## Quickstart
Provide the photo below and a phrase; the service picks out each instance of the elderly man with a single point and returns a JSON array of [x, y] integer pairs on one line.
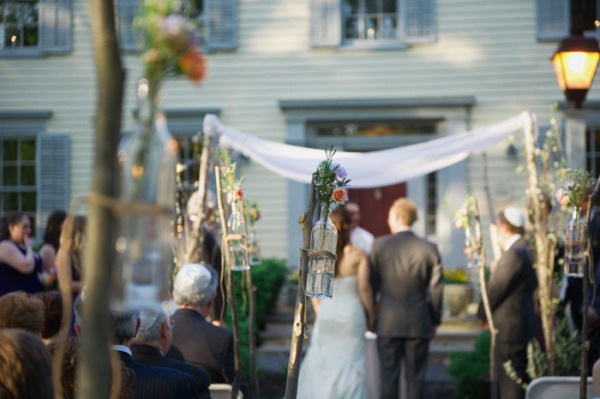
[[358, 236], [195, 340], [154, 340], [150, 382], [510, 293]]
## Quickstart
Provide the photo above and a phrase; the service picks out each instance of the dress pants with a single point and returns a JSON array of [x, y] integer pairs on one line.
[[516, 352], [413, 352]]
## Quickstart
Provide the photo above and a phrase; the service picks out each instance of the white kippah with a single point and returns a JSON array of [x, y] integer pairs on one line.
[[514, 217], [192, 279]]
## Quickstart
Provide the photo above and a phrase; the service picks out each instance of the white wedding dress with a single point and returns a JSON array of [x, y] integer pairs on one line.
[[334, 365]]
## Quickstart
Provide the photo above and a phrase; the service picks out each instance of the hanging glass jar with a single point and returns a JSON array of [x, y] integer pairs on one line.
[[237, 245], [471, 249], [253, 247], [148, 161], [321, 268], [576, 243]]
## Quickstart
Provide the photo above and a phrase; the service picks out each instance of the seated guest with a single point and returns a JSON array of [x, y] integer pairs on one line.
[[149, 382], [52, 301], [154, 339], [25, 366], [20, 310], [195, 340]]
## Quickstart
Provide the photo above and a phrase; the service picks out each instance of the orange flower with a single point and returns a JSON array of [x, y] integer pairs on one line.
[[340, 195], [191, 64], [239, 194]]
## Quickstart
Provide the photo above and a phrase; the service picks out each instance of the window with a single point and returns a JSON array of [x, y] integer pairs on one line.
[[33, 167], [372, 23], [554, 19], [34, 27], [432, 205], [17, 177], [215, 20], [592, 147]]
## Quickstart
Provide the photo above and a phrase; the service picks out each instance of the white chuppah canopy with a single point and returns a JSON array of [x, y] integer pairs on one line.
[[368, 169]]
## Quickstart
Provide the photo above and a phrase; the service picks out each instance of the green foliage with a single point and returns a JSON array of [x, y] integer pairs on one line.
[[468, 368], [455, 276], [267, 278]]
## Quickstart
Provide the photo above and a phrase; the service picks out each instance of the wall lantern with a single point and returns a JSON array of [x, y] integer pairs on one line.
[[575, 63]]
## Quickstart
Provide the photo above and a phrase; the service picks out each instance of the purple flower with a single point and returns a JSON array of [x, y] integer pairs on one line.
[[340, 173]]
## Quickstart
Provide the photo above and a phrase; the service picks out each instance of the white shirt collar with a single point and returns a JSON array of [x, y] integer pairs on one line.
[[511, 241], [122, 348]]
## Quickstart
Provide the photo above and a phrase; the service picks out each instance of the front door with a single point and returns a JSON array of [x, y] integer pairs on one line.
[[374, 205]]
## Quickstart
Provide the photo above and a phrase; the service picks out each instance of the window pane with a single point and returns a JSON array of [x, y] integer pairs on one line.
[[29, 202], [10, 202], [20, 22], [28, 176], [9, 176], [371, 6], [389, 6], [9, 150], [28, 150]]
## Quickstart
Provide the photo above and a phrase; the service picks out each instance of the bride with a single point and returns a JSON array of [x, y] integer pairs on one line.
[[334, 365]]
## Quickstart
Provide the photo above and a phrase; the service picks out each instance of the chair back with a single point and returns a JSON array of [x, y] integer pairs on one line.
[[223, 391], [557, 388]]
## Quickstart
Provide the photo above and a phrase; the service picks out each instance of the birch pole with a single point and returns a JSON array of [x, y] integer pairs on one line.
[[544, 258], [299, 326], [226, 268], [93, 380]]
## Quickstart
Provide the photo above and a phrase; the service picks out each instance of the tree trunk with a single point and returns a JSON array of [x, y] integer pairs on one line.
[[544, 261], [94, 372], [226, 268], [299, 326]]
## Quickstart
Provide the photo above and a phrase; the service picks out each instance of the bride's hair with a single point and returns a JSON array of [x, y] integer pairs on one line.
[[342, 219]]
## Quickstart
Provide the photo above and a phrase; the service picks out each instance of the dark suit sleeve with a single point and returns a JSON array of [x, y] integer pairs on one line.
[[229, 372], [374, 270], [503, 279], [436, 289]]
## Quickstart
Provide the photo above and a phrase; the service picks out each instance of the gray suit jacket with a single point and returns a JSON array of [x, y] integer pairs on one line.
[[407, 274]]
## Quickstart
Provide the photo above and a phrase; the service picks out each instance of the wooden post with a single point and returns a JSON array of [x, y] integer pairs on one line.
[[226, 268], [299, 326], [94, 372]]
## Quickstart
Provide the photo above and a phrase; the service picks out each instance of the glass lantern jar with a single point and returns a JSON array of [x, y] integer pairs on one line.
[[253, 248], [237, 247], [576, 242], [321, 268], [148, 161]]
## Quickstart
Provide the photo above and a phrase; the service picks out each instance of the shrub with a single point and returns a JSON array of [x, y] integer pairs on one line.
[[470, 367]]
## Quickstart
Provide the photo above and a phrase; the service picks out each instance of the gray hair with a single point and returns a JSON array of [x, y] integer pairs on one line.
[[195, 285], [123, 323], [151, 322]]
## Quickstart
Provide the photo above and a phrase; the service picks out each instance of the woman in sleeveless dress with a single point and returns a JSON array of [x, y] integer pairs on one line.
[[19, 264], [334, 365]]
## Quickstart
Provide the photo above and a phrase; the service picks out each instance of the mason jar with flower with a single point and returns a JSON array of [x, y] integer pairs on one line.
[[575, 197], [329, 181]]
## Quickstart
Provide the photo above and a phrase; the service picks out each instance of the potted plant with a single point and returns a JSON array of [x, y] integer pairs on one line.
[[458, 291]]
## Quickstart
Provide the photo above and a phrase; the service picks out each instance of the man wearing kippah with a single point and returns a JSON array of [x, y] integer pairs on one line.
[[510, 292], [196, 340]]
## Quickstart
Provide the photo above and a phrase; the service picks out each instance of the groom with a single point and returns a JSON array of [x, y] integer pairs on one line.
[[406, 274]]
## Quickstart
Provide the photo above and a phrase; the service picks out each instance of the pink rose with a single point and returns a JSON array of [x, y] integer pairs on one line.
[[564, 200], [340, 195]]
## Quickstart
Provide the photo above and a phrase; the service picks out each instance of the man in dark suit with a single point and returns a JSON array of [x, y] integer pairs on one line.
[[510, 293], [154, 339], [195, 340], [146, 382], [407, 281]]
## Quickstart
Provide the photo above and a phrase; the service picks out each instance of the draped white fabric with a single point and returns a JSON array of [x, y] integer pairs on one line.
[[367, 169]]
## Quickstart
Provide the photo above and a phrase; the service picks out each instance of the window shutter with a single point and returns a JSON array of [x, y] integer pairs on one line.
[[552, 19], [418, 21], [55, 26], [221, 32], [325, 23], [52, 174], [127, 10]]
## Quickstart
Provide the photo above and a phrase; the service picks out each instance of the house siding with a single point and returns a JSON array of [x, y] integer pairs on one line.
[[484, 49]]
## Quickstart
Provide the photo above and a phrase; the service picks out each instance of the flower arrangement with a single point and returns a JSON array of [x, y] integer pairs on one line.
[[579, 184], [463, 217], [330, 181], [231, 186], [455, 276], [170, 42], [252, 211], [466, 218]]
